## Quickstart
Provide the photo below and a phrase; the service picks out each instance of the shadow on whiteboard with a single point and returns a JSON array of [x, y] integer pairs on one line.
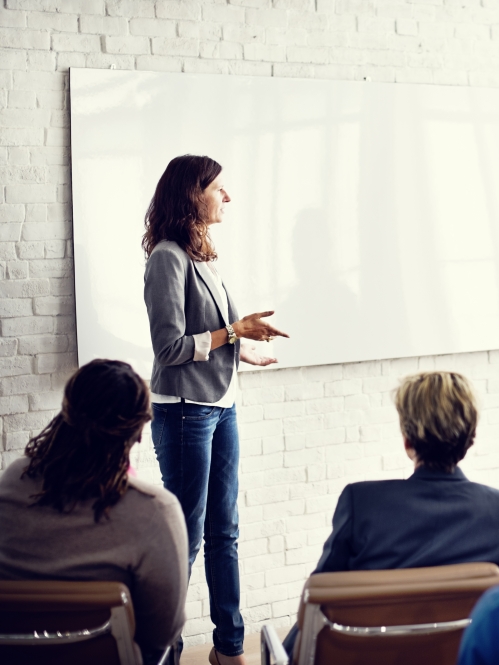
[[322, 309]]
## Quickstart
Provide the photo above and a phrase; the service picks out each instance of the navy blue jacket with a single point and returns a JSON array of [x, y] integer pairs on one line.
[[431, 519]]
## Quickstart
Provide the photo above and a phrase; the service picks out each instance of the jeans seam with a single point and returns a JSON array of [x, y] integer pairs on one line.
[[164, 413], [213, 585], [182, 448], [213, 576]]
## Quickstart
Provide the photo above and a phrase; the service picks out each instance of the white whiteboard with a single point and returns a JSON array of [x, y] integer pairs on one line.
[[365, 214]]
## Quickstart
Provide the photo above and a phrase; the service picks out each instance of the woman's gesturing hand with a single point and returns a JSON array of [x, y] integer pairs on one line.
[[252, 327], [249, 355]]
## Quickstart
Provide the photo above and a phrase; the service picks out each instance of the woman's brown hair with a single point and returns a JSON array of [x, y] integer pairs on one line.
[[84, 452], [177, 210]]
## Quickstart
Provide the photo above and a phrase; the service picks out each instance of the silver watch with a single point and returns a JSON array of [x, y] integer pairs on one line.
[[232, 335]]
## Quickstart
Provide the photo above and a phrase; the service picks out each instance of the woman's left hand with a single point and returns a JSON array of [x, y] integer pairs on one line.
[[249, 355]]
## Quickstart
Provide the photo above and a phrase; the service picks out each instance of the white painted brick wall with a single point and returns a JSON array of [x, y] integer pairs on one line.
[[304, 432]]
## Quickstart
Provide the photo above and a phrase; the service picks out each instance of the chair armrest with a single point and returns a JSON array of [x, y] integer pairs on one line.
[[272, 651]]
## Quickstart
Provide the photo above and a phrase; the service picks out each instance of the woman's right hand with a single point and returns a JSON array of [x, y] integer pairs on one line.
[[252, 327]]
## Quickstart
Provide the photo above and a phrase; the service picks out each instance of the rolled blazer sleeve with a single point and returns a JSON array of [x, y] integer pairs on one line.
[[164, 295], [337, 548]]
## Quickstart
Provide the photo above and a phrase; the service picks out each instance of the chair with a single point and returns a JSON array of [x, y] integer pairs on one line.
[[47, 622], [389, 617]]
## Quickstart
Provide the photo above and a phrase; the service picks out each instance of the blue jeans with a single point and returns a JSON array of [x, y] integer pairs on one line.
[[198, 453]]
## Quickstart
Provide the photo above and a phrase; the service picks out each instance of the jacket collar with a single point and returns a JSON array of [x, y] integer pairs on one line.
[[207, 277], [422, 473]]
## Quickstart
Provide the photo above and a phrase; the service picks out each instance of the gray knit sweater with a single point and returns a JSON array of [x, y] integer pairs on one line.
[[143, 544]]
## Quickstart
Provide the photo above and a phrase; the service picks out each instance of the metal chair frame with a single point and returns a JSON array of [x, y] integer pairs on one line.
[[271, 650], [314, 621], [117, 625]]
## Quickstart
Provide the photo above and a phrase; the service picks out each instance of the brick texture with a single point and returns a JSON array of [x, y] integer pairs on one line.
[[305, 432]]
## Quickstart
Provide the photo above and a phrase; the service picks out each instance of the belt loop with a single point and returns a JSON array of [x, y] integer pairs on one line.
[[182, 400]]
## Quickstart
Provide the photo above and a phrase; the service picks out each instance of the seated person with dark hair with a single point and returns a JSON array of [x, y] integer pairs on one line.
[[69, 511], [434, 518]]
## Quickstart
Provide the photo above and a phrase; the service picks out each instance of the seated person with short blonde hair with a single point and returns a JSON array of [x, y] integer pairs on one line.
[[437, 516]]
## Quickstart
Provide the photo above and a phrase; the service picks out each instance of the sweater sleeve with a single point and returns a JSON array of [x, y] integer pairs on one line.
[[164, 295], [161, 578]]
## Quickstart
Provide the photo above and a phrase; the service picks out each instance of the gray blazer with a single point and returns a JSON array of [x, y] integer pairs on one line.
[[182, 300]]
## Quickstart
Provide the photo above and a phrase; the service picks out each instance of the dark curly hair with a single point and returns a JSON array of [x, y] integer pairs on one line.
[[84, 452], [177, 210]]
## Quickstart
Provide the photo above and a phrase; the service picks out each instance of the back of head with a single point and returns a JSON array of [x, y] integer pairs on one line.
[[438, 417], [84, 451], [177, 210]]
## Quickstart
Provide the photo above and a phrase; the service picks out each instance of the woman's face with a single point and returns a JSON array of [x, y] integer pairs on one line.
[[215, 198]]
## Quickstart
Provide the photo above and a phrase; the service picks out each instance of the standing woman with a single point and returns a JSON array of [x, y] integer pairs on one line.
[[195, 335]]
